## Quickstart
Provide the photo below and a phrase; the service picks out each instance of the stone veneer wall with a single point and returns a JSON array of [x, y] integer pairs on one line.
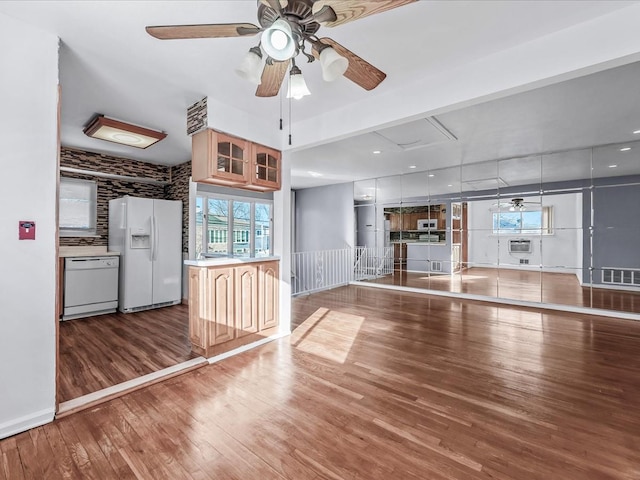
[[178, 189], [109, 189]]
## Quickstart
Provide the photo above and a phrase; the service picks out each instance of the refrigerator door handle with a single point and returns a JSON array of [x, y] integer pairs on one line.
[[155, 238], [152, 220]]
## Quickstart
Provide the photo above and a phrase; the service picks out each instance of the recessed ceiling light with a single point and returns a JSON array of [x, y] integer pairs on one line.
[[613, 166], [412, 166], [431, 175], [625, 149], [314, 174], [450, 185], [111, 130], [376, 152], [636, 131]]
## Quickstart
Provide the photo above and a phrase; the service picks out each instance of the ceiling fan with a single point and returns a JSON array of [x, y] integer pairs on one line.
[[288, 28], [516, 204]]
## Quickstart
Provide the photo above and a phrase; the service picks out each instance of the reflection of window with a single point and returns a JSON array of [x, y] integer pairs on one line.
[[78, 207], [232, 225], [534, 222]]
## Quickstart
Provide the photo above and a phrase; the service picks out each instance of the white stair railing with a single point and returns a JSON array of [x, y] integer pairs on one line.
[[373, 262], [320, 270]]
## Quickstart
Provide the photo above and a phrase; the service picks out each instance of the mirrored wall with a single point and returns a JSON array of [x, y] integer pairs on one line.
[[560, 228]]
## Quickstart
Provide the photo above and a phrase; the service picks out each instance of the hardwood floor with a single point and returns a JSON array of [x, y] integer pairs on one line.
[[374, 385], [556, 288], [98, 352]]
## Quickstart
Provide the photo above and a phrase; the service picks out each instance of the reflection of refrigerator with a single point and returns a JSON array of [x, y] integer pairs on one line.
[[148, 235]]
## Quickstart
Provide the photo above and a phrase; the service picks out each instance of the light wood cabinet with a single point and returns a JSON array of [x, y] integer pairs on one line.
[[220, 281], [231, 306], [222, 159], [246, 285], [265, 168], [268, 295]]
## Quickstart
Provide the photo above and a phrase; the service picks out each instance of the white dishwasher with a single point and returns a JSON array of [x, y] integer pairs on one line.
[[90, 286]]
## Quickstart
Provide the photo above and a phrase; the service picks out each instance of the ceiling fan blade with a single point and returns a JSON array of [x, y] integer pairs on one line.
[[277, 5], [272, 77], [350, 10], [359, 71], [219, 30]]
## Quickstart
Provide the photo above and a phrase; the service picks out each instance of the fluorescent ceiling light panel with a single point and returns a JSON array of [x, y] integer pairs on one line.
[[104, 128]]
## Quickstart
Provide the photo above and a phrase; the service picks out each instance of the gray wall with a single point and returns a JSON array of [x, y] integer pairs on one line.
[[616, 227], [324, 218]]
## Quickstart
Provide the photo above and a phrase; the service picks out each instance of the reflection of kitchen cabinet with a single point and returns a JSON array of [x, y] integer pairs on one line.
[[395, 222], [399, 255], [231, 306], [220, 159]]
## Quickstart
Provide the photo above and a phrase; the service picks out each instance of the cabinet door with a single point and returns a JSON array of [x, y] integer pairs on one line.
[[265, 168], [219, 159], [246, 290], [198, 305], [268, 295], [395, 222], [232, 159], [221, 324]]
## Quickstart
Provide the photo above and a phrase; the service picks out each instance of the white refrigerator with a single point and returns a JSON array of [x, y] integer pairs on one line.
[[148, 235]]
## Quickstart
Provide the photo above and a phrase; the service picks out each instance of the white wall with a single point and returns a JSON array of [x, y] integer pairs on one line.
[[560, 252], [29, 59], [325, 218]]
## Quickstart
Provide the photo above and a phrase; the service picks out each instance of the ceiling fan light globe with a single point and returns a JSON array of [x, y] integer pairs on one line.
[[277, 41], [251, 68], [333, 64], [297, 87]]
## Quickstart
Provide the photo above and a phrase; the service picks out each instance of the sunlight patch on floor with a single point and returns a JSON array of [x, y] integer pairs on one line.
[[328, 334]]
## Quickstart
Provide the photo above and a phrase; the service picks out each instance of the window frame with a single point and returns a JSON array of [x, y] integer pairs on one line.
[[230, 237], [91, 230]]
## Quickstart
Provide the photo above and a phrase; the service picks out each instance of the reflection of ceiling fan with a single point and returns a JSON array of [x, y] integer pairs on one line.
[[516, 204], [287, 28]]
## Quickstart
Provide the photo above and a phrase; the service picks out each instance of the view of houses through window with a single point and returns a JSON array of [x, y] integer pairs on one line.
[[233, 226], [537, 221]]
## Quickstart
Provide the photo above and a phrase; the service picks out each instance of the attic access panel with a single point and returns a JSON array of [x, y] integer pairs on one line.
[[416, 134]]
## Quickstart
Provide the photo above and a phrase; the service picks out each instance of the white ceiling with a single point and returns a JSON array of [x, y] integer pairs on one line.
[[110, 65]]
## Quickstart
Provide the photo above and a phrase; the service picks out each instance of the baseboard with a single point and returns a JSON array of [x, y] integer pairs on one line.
[[26, 422], [185, 301]]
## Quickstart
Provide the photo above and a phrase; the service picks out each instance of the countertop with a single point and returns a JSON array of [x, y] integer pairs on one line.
[[212, 262], [85, 251]]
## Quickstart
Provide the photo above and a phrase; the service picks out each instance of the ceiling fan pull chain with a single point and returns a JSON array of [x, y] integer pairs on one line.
[[280, 108], [289, 120]]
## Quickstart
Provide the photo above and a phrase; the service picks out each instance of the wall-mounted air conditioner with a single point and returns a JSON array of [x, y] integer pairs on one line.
[[520, 246]]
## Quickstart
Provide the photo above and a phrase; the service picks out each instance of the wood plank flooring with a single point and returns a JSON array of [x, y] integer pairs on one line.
[[99, 352], [546, 287], [374, 385]]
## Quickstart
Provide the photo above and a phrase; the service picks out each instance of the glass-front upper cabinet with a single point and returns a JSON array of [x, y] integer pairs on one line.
[[265, 168], [220, 159]]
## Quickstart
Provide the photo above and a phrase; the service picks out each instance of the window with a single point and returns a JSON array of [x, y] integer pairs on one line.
[[232, 226], [534, 222], [78, 207]]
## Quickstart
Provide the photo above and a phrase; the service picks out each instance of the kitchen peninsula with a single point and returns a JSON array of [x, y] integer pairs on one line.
[[233, 302]]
